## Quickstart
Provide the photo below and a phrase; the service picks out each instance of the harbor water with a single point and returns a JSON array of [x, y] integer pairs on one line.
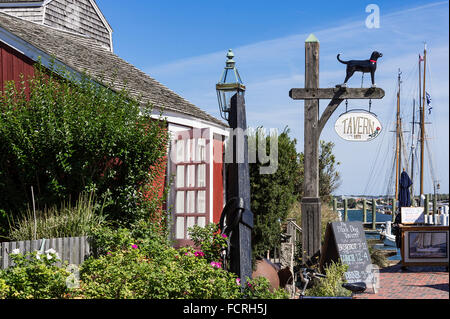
[[357, 215]]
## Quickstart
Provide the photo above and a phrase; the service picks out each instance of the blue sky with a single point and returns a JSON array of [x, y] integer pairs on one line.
[[183, 45]]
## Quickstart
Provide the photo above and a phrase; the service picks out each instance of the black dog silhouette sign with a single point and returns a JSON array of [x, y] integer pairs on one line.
[[364, 66]]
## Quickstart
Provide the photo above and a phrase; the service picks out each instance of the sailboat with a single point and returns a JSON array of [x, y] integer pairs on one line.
[[386, 235], [386, 232], [409, 166]]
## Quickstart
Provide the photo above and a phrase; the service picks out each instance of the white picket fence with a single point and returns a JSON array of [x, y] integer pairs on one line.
[[74, 250]]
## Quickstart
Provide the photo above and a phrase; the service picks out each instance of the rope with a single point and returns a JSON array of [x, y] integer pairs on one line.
[[430, 159]]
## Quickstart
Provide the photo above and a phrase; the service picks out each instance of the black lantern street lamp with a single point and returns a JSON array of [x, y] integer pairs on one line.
[[237, 212], [230, 83]]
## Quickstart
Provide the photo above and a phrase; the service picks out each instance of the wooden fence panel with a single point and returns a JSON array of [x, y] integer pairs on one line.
[[74, 250]]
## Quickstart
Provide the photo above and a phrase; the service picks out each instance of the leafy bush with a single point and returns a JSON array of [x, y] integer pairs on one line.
[[273, 195], [332, 285], [133, 274], [259, 288], [60, 222], [65, 136], [210, 241], [145, 234], [34, 276], [4, 289], [140, 263]]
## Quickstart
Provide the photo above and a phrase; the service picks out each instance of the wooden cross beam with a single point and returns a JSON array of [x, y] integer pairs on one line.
[[339, 92], [337, 96], [313, 126]]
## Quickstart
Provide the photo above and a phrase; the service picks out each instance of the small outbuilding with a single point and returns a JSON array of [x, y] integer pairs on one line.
[[76, 36]]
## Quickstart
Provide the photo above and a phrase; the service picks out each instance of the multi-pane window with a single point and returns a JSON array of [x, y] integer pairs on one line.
[[191, 184]]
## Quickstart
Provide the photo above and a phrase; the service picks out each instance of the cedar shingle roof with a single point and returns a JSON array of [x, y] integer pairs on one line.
[[84, 55]]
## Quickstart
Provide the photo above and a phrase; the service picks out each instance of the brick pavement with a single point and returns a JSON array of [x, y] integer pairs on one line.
[[412, 283]]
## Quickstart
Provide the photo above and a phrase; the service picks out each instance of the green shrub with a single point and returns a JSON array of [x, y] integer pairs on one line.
[[59, 222], [259, 288], [158, 271], [65, 136], [332, 285], [140, 263], [209, 240], [272, 195], [4, 289], [34, 276]]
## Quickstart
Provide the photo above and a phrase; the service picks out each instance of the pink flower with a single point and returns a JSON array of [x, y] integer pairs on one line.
[[199, 254], [216, 264], [238, 281], [134, 246], [249, 285], [224, 236]]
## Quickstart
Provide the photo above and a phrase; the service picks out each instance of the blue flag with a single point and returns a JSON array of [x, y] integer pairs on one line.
[[429, 103]]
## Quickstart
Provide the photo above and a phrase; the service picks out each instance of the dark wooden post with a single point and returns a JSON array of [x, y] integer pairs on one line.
[[374, 214], [364, 211], [394, 209], [311, 205], [435, 207], [345, 210], [238, 182]]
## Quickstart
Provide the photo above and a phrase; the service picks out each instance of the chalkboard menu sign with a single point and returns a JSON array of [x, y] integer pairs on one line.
[[346, 241]]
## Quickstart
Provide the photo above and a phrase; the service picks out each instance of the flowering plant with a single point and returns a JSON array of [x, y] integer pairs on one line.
[[34, 276], [211, 242]]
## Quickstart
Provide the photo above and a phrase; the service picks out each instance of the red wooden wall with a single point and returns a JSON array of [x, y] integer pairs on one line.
[[16, 67], [12, 65], [218, 149]]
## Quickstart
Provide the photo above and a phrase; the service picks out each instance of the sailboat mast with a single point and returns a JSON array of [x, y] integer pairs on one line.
[[422, 121], [397, 130], [413, 147]]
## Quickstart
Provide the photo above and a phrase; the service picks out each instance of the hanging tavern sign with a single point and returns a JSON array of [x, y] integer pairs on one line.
[[360, 126]]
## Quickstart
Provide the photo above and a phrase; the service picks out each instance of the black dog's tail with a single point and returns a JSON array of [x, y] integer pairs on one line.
[[339, 59]]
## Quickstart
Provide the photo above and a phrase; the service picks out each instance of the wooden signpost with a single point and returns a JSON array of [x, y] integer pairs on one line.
[[313, 126]]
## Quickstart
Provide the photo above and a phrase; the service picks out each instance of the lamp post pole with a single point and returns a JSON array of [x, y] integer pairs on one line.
[[230, 92], [238, 186]]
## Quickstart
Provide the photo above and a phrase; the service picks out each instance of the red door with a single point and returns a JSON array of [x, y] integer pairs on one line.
[[190, 157]]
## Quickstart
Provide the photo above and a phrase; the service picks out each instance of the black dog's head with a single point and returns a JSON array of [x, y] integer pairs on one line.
[[375, 55]]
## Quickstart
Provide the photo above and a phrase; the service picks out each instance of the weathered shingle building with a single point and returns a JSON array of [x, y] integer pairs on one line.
[[80, 16], [80, 42]]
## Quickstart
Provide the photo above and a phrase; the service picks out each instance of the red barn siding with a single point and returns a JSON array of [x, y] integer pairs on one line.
[[14, 66], [218, 148]]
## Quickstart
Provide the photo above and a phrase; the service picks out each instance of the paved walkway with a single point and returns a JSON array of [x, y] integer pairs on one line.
[[412, 283]]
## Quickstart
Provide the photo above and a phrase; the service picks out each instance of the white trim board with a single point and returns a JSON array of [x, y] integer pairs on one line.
[[189, 121]]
